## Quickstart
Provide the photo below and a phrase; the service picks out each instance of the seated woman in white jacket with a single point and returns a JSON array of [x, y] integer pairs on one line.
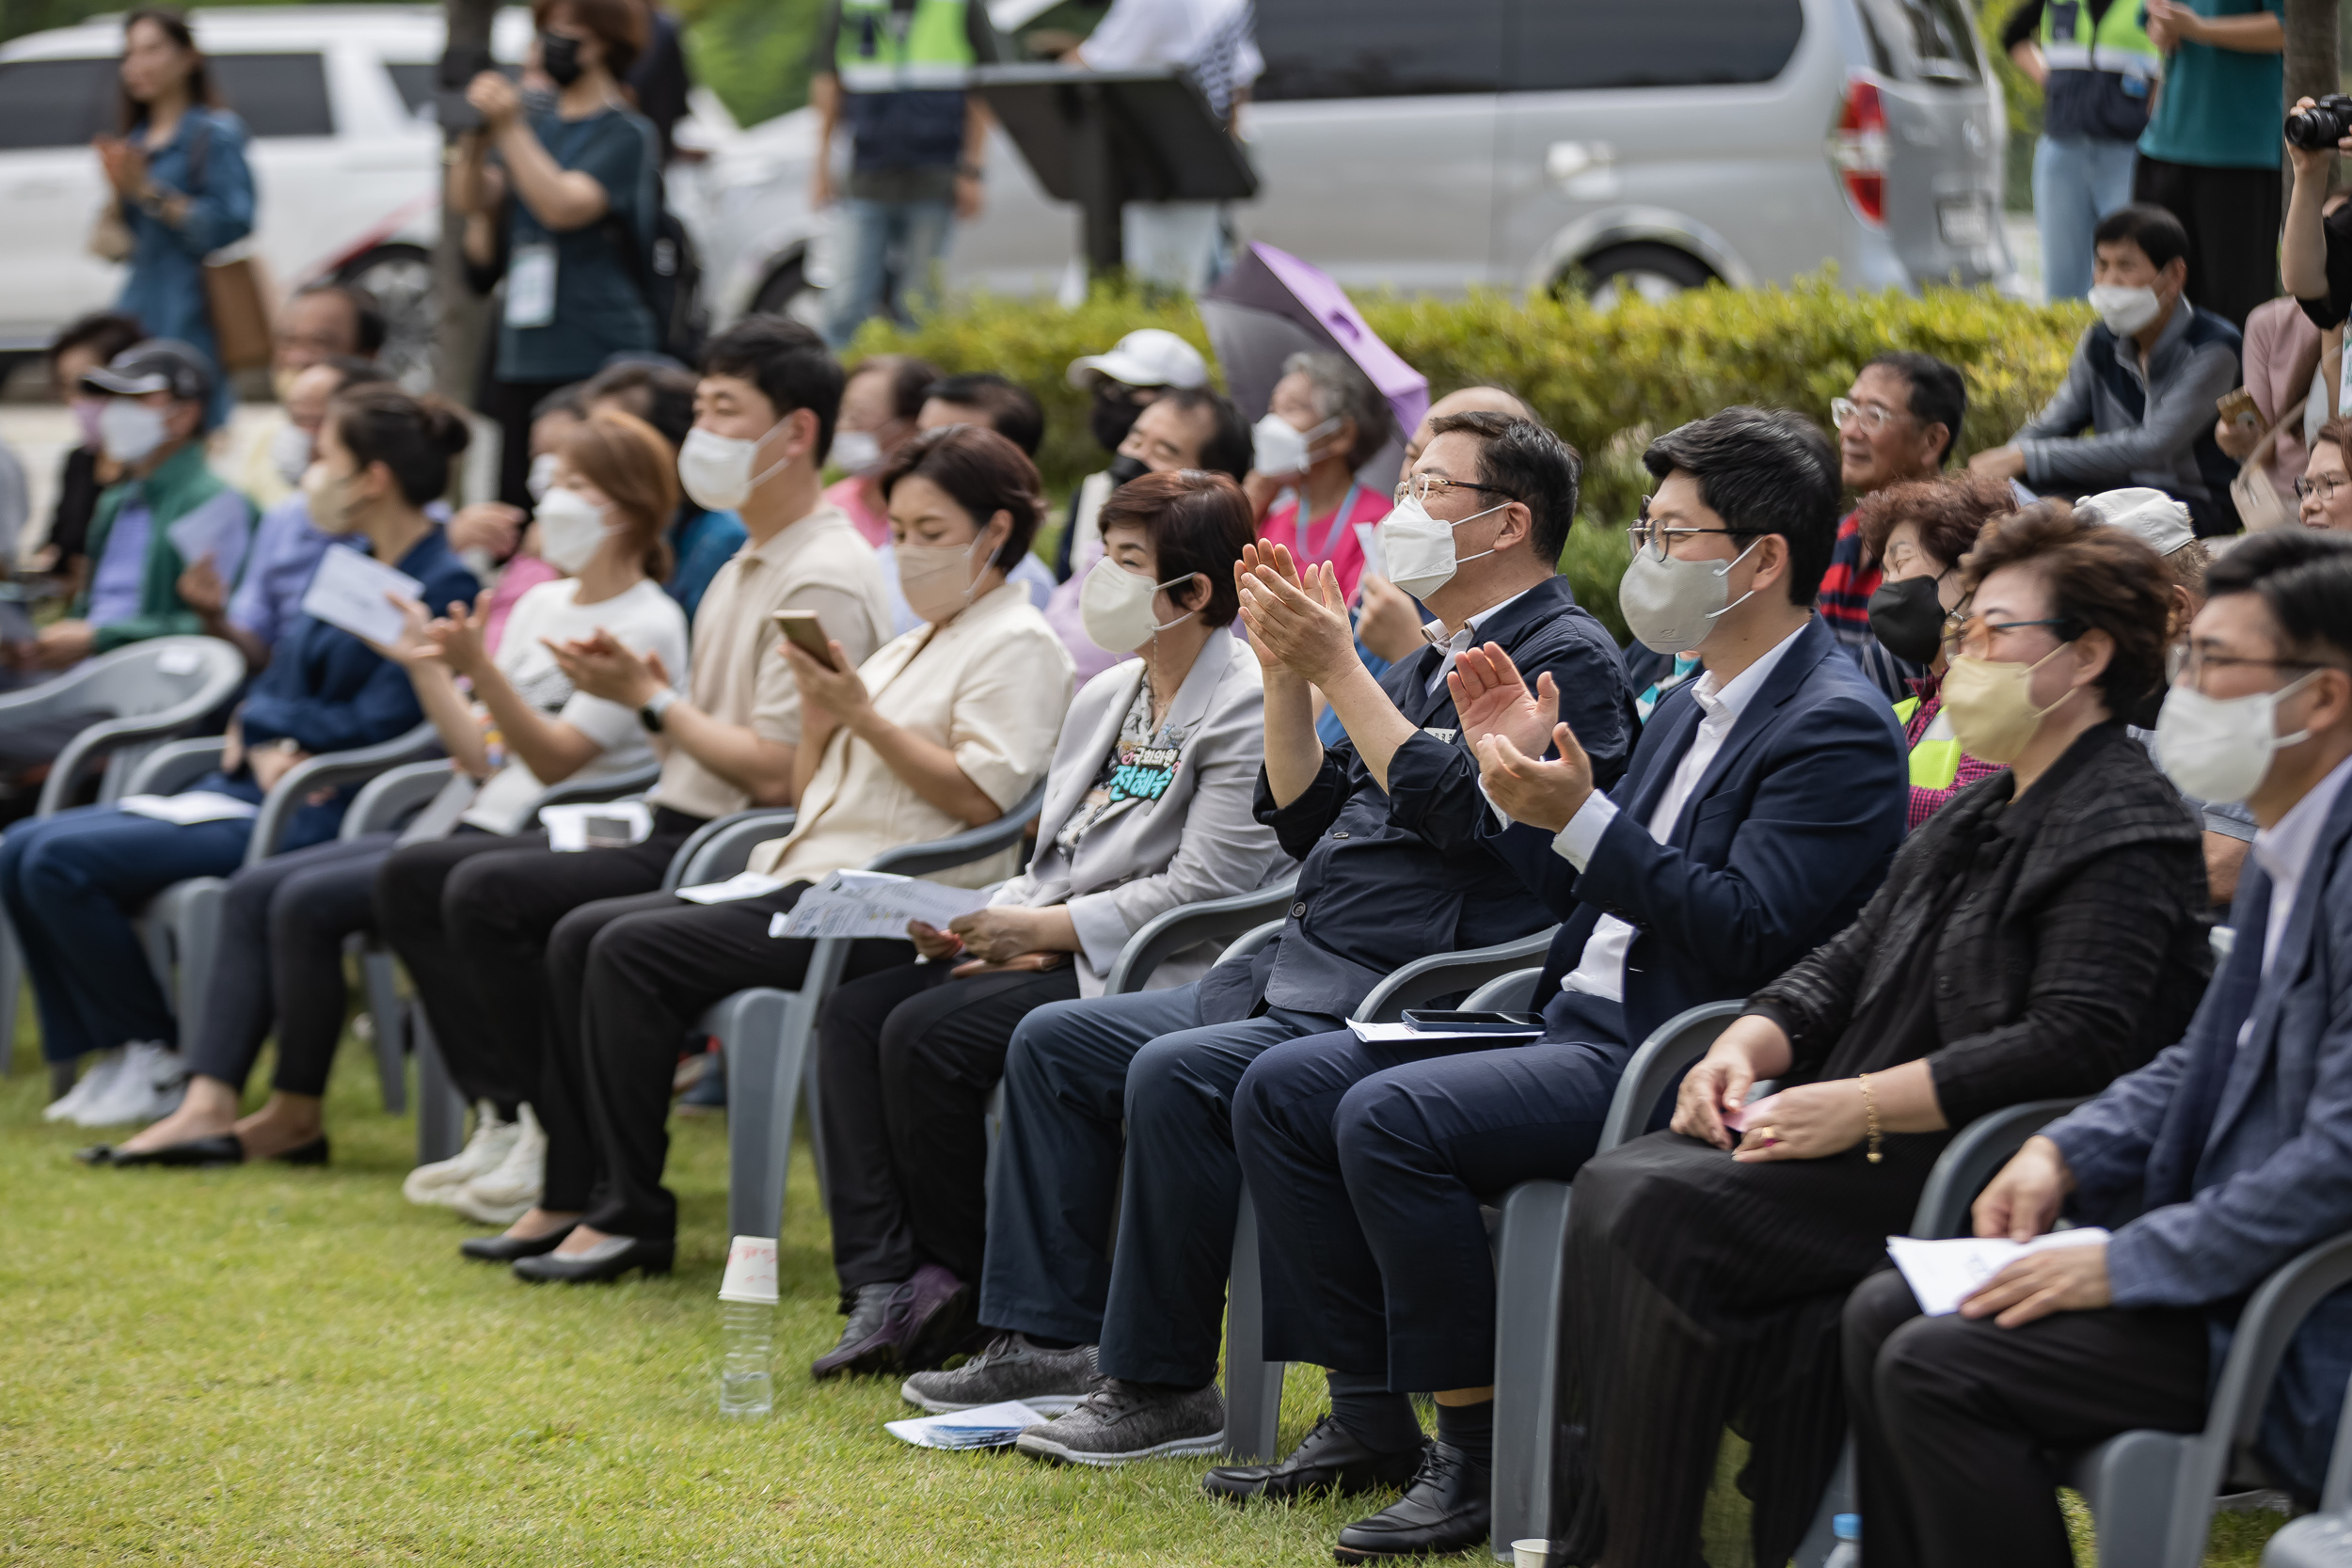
[[1148, 806]]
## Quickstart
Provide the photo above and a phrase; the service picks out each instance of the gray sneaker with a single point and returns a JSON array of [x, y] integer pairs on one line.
[[1122, 1421], [1050, 1381]]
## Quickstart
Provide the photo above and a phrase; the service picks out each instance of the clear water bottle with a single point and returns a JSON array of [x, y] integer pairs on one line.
[[747, 1384], [1848, 1552]]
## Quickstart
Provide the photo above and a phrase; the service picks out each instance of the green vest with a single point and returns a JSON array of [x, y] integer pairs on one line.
[[2118, 44], [934, 51], [1935, 760]]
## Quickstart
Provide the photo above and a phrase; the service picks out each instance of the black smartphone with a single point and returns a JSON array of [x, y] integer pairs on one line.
[[804, 631], [1473, 1023], [609, 832]]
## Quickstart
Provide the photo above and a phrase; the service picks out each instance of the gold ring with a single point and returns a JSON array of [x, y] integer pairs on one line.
[[1771, 1136]]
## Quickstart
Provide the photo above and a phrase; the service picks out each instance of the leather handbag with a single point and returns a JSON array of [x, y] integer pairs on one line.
[[109, 235], [2259, 506], [236, 295]]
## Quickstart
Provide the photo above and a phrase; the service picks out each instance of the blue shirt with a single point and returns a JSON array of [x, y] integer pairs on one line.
[[114, 585], [164, 287], [700, 542], [286, 551]]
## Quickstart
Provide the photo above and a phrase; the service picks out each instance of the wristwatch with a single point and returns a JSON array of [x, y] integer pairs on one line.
[[657, 705]]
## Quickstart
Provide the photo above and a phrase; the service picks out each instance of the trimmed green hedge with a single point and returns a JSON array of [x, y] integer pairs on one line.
[[1604, 380]]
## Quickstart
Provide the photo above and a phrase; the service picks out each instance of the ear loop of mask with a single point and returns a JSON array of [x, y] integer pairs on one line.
[[1460, 559], [1160, 587], [767, 474], [1725, 572]]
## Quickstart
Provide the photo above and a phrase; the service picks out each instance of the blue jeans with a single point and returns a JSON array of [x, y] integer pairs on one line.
[[2076, 182], [73, 883], [1074, 1070], [894, 249]]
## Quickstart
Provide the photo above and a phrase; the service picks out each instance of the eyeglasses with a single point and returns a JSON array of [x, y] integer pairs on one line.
[[1647, 533], [1874, 415], [2189, 660], [1971, 635], [2325, 487], [1425, 489]]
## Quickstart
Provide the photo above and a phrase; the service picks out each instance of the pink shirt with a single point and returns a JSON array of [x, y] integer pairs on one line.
[[850, 495], [1330, 538], [517, 578], [2280, 340]]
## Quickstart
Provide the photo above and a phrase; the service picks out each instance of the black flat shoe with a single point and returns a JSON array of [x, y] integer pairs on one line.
[[313, 1153], [217, 1149], [505, 1249], [96, 1154], [608, 1259], [1328, 1459], [1449, 1508]]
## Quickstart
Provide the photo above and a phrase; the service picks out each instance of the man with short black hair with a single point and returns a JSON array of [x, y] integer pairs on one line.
[[1763, 803], [2144, 378], [1388, 828], [985, 398], [702, 539], [2216, 1163], [1901, 420]]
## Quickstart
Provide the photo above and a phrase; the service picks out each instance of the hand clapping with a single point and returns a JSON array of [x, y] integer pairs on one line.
[[1297, 625]]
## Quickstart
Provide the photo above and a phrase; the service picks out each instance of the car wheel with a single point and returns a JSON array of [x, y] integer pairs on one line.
[[1644, 271], [788, 293], [400, 279]]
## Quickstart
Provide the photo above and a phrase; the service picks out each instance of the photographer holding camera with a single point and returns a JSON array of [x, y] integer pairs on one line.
[[2315, 262]]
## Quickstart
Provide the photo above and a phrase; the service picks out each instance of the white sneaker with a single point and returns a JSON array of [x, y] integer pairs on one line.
[[437, 1183], [514, 1189], [87, 1089], [147, 1087]]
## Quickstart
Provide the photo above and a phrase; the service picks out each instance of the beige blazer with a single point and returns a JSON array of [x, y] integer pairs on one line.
[[992, 686], [1201, 839]]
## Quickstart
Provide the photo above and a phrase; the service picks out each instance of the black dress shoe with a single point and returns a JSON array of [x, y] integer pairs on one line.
[[608, 1259], [505, 1249], [1449, 1508], [1328, 1459]]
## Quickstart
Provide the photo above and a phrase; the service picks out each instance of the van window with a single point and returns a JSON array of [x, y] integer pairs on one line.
[[276, 95], [1378, 48], [1931, 40], [416, 82], [55, 102], [1561, 44]]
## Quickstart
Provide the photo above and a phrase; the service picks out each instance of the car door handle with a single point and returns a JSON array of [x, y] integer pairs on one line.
[[35, 190], [1565, 160]]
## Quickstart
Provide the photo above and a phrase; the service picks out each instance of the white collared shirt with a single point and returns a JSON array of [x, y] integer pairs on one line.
[[1461, 639], [2284, 850], [1600, 970]]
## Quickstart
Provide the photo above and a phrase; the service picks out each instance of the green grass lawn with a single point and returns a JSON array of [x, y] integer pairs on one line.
[[278, 1367]]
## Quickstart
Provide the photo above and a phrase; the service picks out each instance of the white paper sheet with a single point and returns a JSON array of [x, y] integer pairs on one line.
[[213, 532], [197, 805], [1942, 1273], [991, 1426], [347, 592], [1368, 538], [1397, 1034], [570, 826], [743, 884], [874, 904]]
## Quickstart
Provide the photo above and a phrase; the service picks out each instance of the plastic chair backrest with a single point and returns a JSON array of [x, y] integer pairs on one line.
[[723, 845], [1662, 1059], [1445, 973], [944, 854], [1172, 931]]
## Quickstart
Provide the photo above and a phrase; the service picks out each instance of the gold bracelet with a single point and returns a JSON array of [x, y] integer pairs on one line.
[[1870, 1110]]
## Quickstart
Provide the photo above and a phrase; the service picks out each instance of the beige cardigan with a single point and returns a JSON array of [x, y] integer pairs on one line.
[[992, 686]]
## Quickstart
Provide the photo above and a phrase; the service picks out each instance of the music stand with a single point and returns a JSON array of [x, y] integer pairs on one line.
[[1104, 138]]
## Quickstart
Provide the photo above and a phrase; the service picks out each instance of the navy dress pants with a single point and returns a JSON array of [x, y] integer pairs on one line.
[[72, 884], [1074, 1072], [1367, 1162]]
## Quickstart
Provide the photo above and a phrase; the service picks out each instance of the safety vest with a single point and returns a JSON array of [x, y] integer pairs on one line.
[[1935, 760], [2117, 43], [884, 50]]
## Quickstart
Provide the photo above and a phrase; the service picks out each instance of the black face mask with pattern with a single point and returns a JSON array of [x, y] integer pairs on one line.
[[558, 57], [1124, 467], [1907, 618]]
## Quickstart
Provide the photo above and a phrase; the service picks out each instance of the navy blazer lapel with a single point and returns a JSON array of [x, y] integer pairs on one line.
[[1677, 729], [1811, 644]]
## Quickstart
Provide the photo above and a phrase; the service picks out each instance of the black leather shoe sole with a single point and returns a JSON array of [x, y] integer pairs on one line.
[[597, 1268], [505, 1249]]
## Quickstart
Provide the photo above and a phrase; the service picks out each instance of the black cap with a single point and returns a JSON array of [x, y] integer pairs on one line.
[[157, 365]]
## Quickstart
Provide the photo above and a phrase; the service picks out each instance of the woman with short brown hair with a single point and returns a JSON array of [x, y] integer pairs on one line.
[[2039, 936]]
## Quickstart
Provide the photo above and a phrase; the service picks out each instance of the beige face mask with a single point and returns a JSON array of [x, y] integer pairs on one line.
[[938, 580], [1990, 706]]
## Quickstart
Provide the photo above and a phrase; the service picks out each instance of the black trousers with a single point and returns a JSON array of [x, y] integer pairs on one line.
[[628, 978], [2231, 216], [909, 1056], [1955, 1419], [280, 960], [469, 916]]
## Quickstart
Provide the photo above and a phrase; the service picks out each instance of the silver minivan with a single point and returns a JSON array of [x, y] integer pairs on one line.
[[1611, 145]]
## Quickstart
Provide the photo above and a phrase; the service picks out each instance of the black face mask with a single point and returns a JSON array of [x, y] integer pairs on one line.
[[1907, 618], [558, 57], [1112, 417], [1124, 467]]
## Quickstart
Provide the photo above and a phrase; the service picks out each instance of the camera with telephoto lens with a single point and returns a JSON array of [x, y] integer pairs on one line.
[[2327, 121]]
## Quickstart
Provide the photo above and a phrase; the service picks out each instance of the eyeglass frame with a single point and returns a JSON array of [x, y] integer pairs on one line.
[[1641, 524], [1878, 414], [2186, 659], [1956, 623], [2305, 486], [1404, 488]]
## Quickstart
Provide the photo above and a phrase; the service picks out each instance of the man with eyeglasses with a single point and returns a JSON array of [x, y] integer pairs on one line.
[[1899, 421], [1136, 1092]]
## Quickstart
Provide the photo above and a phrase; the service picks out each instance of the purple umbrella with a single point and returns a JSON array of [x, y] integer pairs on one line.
[[1269, 306]]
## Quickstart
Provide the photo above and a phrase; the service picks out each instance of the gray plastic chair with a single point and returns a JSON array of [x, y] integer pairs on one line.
[[1449, 974], [2322, 1539], [765, 1034], [181, 925], [157, 690]]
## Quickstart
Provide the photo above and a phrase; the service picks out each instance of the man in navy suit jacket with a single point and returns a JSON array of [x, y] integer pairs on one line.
[[1763, 803], [2216, 1163]]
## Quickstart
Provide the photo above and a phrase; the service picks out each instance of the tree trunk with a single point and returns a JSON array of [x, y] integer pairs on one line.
[[2311, 26], [465, 318]]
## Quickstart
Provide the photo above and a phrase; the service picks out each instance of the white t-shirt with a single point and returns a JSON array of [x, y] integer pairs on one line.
[[644, 620], [1212, 38]]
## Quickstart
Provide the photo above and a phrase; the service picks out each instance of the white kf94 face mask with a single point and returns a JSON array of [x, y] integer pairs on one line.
[[2220, 748], [1115, 606], [1671, 605], [716, 469], [1279, 448], [571, 528], [1418, 549]]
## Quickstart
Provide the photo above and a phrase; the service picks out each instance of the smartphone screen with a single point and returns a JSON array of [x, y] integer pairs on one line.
[[805, 632]]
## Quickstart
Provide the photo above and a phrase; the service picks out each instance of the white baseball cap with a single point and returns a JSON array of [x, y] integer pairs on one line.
[[1148, 358], [2154, 519]]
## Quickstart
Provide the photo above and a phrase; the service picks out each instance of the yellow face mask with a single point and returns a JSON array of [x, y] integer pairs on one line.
[[1990, 706]]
